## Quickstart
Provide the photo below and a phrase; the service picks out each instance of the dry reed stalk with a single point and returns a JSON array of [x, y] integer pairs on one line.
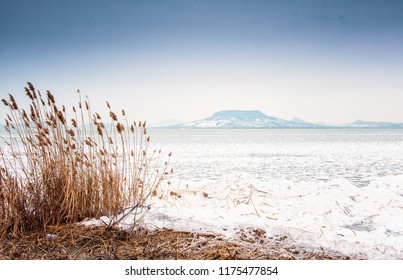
[[57, 173]]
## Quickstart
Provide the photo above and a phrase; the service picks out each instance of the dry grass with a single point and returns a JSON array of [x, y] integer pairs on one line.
[[72, 242], [58, 171]]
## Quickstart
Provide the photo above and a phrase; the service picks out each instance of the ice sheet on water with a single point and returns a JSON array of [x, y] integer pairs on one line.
[[334, 214]]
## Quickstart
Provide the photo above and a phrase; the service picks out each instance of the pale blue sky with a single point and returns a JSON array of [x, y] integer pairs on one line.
[[334, 61]]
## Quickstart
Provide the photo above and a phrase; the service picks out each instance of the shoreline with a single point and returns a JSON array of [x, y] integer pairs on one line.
[[78, 242]]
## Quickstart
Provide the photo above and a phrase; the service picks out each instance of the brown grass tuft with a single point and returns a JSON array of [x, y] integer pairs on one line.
[[53, 173]]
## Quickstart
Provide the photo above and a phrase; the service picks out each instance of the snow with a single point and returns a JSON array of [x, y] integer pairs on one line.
[[337, 189], [333, 214]]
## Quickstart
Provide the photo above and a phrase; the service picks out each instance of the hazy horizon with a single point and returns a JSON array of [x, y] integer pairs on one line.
[[321, 61]]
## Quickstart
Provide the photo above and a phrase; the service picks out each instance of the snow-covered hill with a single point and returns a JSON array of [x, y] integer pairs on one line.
[[245, 119], [257, 119]]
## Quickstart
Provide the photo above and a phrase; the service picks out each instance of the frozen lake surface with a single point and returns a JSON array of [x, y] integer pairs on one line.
[[335, 188]]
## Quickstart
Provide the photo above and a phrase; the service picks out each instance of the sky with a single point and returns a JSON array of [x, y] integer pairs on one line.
[[330, 61]]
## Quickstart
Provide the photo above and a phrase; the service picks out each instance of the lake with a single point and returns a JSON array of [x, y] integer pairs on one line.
[[338, 188], [333, 188]]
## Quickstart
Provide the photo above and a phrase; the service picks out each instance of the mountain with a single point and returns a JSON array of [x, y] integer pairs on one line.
[[245, 119], [257, 119], [366, 124], [302, 122]]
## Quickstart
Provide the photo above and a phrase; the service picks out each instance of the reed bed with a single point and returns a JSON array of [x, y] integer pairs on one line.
[[62, 166]]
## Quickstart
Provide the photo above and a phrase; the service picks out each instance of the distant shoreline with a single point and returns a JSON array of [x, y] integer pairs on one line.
[[279, 128]]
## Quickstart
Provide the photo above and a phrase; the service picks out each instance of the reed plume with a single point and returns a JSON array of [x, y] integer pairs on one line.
[[52, 172]]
